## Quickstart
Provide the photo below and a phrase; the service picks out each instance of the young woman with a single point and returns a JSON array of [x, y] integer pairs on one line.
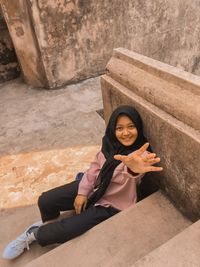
[[106, 188]]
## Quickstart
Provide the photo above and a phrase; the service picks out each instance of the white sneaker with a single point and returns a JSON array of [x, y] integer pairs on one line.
[[16, 247]]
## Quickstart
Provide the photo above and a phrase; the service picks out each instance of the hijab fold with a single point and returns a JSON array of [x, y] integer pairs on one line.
[[111, 146]]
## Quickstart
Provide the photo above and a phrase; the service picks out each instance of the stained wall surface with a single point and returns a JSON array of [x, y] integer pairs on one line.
[[9, 67], [67, 41]]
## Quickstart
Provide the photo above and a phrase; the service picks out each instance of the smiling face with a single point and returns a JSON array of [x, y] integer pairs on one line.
[[125, 130]]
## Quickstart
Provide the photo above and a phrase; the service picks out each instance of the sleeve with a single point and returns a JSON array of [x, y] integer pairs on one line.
[[88, 181], [130, 174]]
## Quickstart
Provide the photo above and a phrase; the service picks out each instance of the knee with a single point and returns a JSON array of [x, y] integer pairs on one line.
[[43, 201]]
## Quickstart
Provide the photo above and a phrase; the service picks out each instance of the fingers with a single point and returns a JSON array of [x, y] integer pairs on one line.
[[78, 208], [143, 148], [119, 157], [138, 163], [150, 156], [154, 169], [80, 203], [152, 161], [85, 204]]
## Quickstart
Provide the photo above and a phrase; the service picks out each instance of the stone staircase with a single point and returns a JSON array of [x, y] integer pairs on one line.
[[181, 251], [120, 241]]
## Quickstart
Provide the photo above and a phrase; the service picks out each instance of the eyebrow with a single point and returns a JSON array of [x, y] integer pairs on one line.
[[131, 123]]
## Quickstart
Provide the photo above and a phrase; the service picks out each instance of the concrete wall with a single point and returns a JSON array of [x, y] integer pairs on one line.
[[166, 30], [21, 30], [67, 41], [168, 100], [9, 67]]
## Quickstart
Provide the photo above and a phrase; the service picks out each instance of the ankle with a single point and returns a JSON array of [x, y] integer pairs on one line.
[[33, 230]]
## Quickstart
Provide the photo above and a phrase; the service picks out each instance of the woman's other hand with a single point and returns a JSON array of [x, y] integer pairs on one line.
[[139, 163], [80, 203]]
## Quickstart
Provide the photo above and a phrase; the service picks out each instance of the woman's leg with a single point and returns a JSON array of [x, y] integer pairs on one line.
[[58, 199], [50, 204], [68, 228]]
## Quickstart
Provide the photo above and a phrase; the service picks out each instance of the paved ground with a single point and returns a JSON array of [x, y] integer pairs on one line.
[[46, 137], [38, 119]]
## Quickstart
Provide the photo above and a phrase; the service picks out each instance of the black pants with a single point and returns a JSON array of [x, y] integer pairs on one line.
[[62, 199]]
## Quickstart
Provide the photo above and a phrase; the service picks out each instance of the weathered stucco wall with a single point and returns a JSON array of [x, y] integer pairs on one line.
[[168, 101], [72, 40], [166, 30], [20, 27], [9, 67], [78, 39]]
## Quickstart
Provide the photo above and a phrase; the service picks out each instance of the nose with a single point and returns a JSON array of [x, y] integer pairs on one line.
[[125, 131]]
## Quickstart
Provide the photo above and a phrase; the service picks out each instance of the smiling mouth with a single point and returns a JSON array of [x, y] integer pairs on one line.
[[127, 139]]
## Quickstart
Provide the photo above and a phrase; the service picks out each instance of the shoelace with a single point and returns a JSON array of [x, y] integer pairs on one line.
[[27, 244]]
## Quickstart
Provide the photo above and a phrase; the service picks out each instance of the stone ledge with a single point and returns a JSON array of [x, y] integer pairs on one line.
[[172, 90], [181, 251]]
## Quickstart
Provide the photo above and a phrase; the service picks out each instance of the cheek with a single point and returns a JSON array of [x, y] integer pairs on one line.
[[117, 134], [135, 133]]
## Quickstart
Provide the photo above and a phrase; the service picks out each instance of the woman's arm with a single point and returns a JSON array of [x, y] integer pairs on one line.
[[88, 180], [87, 184]]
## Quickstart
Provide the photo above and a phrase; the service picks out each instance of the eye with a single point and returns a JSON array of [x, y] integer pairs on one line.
[[132, 126], [119, 128]]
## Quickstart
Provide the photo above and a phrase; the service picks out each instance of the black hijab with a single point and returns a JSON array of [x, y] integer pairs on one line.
[[111, 146]]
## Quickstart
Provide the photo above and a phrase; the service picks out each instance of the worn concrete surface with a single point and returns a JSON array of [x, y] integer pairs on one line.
[[181, 251], [169, 130], [23, 177], [36, 119], [13, 223], [79, 44]]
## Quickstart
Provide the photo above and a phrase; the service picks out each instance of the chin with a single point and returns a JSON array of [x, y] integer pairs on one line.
[[127, 143]]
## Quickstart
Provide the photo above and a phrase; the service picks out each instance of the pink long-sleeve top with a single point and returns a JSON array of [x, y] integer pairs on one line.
[[121, 192]]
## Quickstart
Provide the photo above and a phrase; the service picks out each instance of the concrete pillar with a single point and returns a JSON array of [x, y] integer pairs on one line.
[[17, 16], [169, 102], [9, 67]]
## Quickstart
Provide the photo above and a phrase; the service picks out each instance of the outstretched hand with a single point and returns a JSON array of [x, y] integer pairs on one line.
[[138, 163]]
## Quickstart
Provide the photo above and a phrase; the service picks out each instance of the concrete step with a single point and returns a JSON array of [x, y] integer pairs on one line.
[[13, 223], [121, 240], [181, 251]]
